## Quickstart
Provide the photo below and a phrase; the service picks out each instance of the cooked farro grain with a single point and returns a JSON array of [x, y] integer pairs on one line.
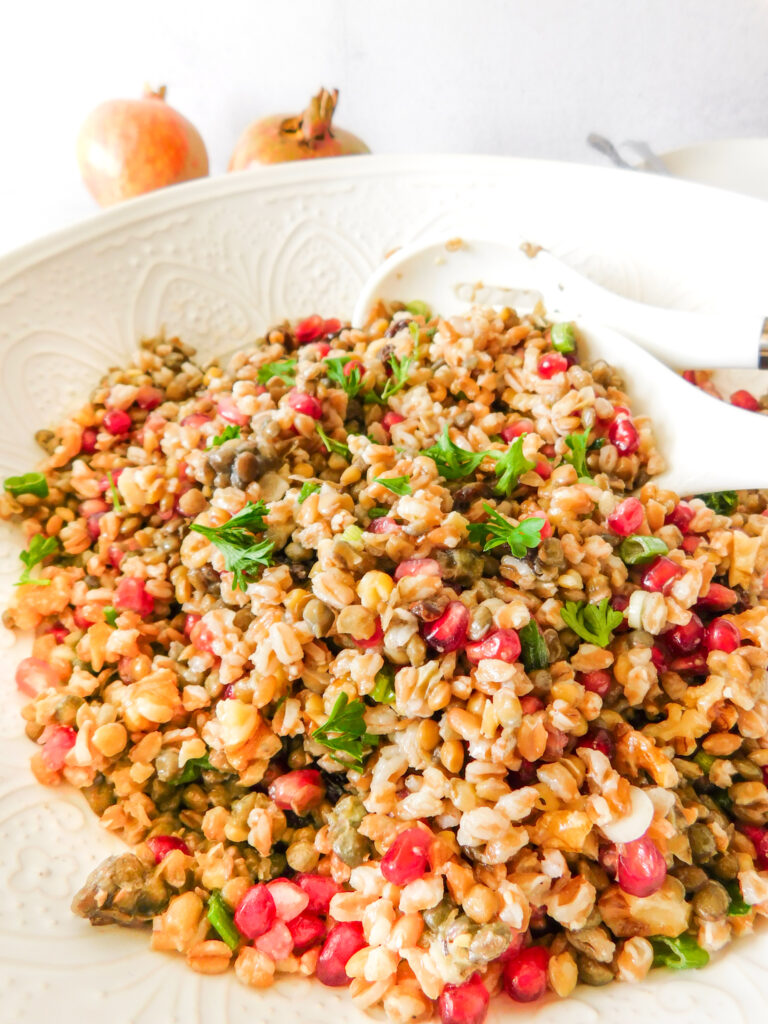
[[362, 645]]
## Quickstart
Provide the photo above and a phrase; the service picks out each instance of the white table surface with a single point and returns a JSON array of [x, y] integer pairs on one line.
[[523, 77]]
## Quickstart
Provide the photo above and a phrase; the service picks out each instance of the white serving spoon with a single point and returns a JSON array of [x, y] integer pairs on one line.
[[708, 445]]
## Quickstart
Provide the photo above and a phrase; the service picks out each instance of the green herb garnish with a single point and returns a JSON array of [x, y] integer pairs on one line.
[[116, 504], [534, 652], [738, 907], [243, 554], [39, 548], [419, 308], [592, 622], [452, 461], [639, 549], [377, 513], [383, 691], [680, 954], [579, 445], [110, 615], [228, 434], [510, 466], [498, 531], [396, 484], [308, 488], [721, 502], [221, 919], [337, 447], [351, 382], [400, 371], [283, 369], [563, 337], [191, 771], [28, 483], [704, 760], [344, 730]]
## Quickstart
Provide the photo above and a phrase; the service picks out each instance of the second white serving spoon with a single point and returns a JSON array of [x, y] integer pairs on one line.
[[707, 445]]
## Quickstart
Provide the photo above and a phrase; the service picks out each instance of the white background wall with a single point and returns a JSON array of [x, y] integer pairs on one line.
[[526, 77]]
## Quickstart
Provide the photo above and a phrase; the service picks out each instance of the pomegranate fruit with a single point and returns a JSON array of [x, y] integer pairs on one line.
[[598, 739], [722, 635], [128, 147], [161, 846], [464, 1004], [390, 419], [685, 639], [745, 400], [623, 436], [503, 644], [256, 912], [276, 139], [525, 975], [290, 899], [306, 404], [418, 567], [131, 596], [640, 867], [33, 675], [718, 598], [384, 524], [277, 942], [342, 942], [320, 888], [513, 430], [449, 631], [408, 857], [759, 837], [597, 681], [306, 931], [661, 574], [58, 742], [550, 364], [298, 791], [626, 518], [680, 516], [117, 421]]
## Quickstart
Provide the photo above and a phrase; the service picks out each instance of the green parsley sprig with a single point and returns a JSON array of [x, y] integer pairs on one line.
[[498, 531], [350, 381], [510, 466], [594, 623], [336, 447], [39, 548], [396, 484], [115, 494], [681, 954], [722, 502], [307, 488], [243, 554], [344, 731], [229, 433], [579, 445], [453, 462], [283, 369]]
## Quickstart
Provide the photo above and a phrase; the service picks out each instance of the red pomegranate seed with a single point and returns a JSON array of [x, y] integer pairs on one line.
[[685, 639], [91, 507], [525, 976], [544, 469], [513, 430], [550, 364], [623, 436], [464, 1004], [322, 348], [93, 526], [408, 857], [305, 404], [626, 518], [202, 637], [116, 421], [228, 410], [88, 441], [80, 619], [745, 400], [161, 846], [598, 681], [33, 675], [690, 543], [546, 530], [660, 658], [389, 419], [608, 857], [290, 899], [384, 524], [298, 791], [310, 329], [530, 704], [320, 888], [115, 555], [228, 693], [680, 516], [695, 663], [418, 567], [351, 366], [57, 745], [718, 598], [148, 397], [255, 912], [449, 631], [640, 867], [503, 644], [620, 603], [690, 376], [58, 631], [106, 483], [277, 942], [190, 621], [131, 596], [660, 575], [306, 931], [373, 640], [557, 741], [598, 739], [526, 774], [342, 942], [331, 326], [722, 635], [759, 838]]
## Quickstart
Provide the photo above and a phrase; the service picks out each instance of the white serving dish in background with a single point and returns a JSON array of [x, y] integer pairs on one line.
[[737, 164], [216, 262]]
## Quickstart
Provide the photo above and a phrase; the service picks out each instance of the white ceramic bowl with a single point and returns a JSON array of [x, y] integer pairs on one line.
[[217, 261]]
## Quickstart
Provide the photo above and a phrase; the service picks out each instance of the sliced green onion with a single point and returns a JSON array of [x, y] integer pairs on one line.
[[110, 615], [353, 535], [383, 691], [738, 907], [220, 917], [29, 483], [377, 513], [640, 549], [563, 337], [533, 648]]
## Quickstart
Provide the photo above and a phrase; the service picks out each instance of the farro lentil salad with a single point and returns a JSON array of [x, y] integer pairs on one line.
[[363, 648]]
